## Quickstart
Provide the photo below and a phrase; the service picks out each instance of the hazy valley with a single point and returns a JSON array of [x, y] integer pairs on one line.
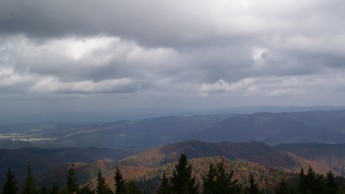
[[272, 144]]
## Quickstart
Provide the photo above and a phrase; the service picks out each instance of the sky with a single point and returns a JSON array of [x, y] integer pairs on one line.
[[67, 57]]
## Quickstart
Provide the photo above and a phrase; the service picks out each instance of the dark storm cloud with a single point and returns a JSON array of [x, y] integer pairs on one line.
[[153, 47], [152, 22]]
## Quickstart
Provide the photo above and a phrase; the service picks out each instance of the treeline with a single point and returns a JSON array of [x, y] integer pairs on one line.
[[218, 180], [122, 186]]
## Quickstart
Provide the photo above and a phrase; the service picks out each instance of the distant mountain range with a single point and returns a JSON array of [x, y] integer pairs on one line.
[[52, 164], [271, 128], [281, 142]]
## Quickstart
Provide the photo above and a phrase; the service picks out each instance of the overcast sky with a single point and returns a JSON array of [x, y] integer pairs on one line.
[[60, 56]]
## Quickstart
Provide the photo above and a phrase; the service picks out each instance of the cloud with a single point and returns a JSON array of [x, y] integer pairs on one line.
[[240, 48], [53, 85], [9, 77], [277, 86], [158, 23]]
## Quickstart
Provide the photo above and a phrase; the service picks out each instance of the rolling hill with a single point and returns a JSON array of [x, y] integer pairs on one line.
[[42, 160], [332, 155], [271, 128]]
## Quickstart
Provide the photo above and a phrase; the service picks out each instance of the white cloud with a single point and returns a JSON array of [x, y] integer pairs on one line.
[[9, 77], [278, 86], [239, 48], [53, 85]]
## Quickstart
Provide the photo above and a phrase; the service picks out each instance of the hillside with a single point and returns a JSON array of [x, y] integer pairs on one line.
[[271, 128], [42, 160], [147, 165], [258, 152], [275, 128], [332, 155], [148, 178]]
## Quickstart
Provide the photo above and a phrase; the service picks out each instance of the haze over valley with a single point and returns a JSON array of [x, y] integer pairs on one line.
[[166, 97]]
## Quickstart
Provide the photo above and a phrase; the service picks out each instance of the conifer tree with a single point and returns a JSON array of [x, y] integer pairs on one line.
[[85, 190], [10, 186], [131, 188], [120, 184], [29, 185], [219, 181], [253, 187], [164, 188], [71, 184], [302, 183], [43, 190], [182, 180], [311, 183], [102, 187], [54, 189], [282, 188], [210, 179], [331, 185]]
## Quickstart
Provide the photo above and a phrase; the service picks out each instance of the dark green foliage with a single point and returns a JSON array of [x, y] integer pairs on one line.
[[123, 187], [131, 188], [120, 184], [219, 181], [85, 190], [102, 187], [282, 188], [182, 180], [29, 185], [165, 187], [330, 185], [10, 187], [302, 184], [311, 183], [71, 184], [253, 186], [54, 189], [44, 190]]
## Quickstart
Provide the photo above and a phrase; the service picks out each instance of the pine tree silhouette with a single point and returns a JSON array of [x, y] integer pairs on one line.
[[253, 187], [102, 187], [182, 180], [10, 186], [71, 184], [165, 187], [218, 180], [120, 184], [30, 185]]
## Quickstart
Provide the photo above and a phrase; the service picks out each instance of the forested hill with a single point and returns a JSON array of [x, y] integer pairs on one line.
[[271, 128], [43, 160]]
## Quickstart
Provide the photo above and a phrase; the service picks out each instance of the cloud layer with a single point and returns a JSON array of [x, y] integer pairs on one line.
[[259, 48]]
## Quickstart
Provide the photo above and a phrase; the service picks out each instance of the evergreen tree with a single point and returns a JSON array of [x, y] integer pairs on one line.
[[71, 184], [210, 179], [85, 190], [253, 187], [120, 184], [102, 187], [165, 187], [29, 185], [219, 181], [10, 186], [331, 185], [182, 180], [54, 189], [43, 190], [311, 183], [282, 188], [302, 183], [131, 188]]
